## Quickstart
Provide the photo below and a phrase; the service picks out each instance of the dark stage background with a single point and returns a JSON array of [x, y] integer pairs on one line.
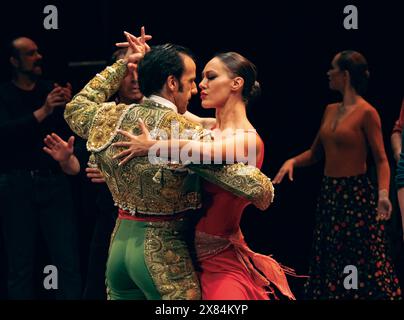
[[292, 45]]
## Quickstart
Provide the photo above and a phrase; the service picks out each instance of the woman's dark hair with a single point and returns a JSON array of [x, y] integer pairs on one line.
[[240, 66], [357, 66], [158, 64]]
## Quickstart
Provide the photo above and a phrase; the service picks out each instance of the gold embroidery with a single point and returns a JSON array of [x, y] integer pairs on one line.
[[240, 179], [117, 224], [170, 117], [134, 190], [133, 186], [140, 186], [168, 261], [105, 125], [80, 112]]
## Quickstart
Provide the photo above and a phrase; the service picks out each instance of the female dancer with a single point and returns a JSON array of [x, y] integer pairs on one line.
[[349, 252], [230, 270]]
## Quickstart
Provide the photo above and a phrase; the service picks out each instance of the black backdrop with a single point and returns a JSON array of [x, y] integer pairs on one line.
[[292, 44]]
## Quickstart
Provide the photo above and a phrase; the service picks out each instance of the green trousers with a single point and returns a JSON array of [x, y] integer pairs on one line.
[[151, 260]]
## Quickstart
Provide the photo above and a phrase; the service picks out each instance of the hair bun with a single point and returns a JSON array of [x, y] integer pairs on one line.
[[255, 91]]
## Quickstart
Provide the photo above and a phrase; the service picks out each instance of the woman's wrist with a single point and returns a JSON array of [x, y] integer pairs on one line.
[[383, 193]]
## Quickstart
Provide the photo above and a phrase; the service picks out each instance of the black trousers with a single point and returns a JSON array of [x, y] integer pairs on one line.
[[32, 202], [106, 214]]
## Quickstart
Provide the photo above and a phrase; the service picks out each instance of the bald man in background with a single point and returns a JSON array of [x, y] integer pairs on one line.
[[35, 194]]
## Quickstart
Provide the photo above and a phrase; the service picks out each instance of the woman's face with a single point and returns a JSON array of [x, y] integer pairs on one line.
[[336, 76], [216, 84]]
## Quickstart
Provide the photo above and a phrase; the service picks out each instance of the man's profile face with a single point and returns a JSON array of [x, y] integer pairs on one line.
[[187, 86], [129, 91]]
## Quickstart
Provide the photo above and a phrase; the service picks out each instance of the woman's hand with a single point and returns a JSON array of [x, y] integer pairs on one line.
[[287, 168], [136, 146], [137, 47]]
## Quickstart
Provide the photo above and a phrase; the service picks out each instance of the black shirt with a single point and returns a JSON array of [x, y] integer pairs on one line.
[[21, 134]]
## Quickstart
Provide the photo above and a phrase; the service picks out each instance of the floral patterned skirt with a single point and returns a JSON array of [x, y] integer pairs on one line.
[[349, 249]]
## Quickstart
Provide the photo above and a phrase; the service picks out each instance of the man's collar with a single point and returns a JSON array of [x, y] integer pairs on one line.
[[164, 102]]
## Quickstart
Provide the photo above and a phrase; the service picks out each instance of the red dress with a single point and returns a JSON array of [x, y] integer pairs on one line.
[[225, 259]]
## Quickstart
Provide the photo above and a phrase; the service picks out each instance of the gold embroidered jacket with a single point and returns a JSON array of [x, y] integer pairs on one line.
[[140, 186]]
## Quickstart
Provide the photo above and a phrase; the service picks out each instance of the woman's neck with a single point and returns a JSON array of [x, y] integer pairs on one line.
[[350, 97], [232, 115]]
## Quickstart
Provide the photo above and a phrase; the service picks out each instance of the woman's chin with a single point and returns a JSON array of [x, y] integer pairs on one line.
[[206, 105], [332, 87]]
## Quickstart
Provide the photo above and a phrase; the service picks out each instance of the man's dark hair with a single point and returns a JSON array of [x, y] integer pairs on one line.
[[160, 63]]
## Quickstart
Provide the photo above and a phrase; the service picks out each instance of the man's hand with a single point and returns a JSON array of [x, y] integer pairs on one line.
[[95, 175], [62, 152], [59, 149], [58, 97], [66, 92]]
